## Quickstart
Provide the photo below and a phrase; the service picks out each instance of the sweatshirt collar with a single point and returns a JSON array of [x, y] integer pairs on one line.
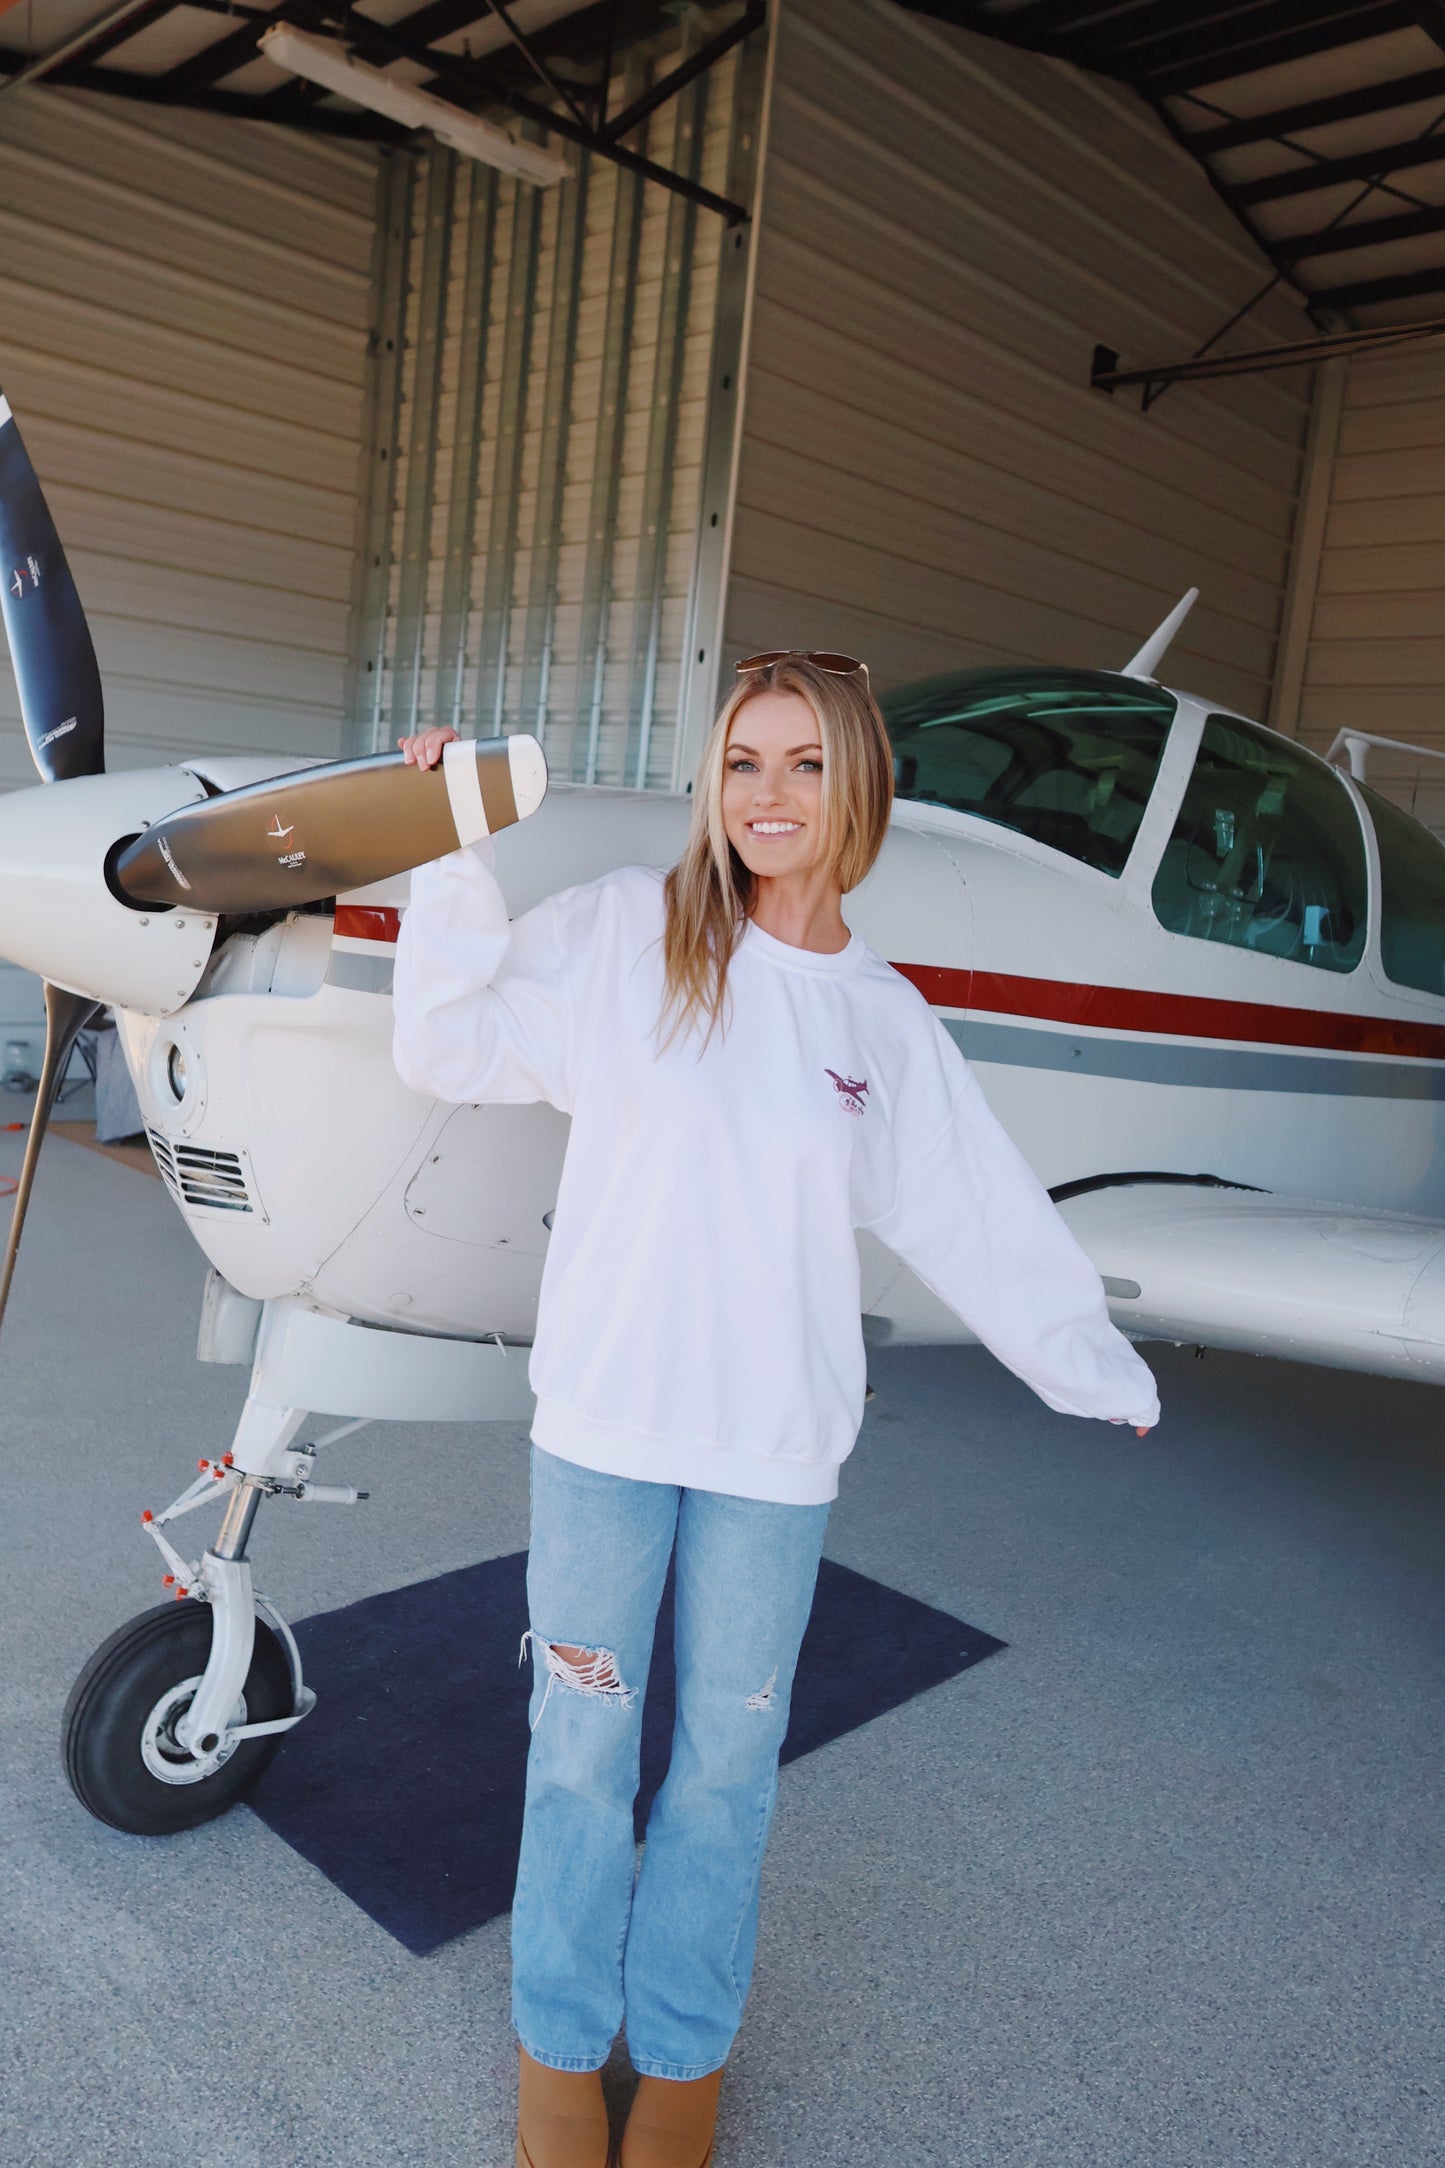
[[799, 959]]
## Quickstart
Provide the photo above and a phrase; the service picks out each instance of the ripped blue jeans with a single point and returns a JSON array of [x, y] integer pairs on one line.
[[669, 1942]]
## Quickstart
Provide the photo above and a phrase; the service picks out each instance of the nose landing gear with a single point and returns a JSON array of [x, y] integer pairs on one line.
[[177, 1714], [121, 1752]]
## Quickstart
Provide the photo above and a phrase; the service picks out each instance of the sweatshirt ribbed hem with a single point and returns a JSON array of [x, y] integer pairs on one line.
[[614, 1449]]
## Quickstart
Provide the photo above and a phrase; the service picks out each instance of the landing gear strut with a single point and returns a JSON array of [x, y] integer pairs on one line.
[[177, 1714]]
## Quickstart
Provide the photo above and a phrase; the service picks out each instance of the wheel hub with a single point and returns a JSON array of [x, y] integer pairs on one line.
[[161, 1750]]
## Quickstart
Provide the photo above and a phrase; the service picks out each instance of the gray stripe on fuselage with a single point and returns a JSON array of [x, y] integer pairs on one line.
[[363, 974], [1214, 1068]]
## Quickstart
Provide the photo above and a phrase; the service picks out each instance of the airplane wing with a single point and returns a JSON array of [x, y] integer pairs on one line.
[[1271, 1275]]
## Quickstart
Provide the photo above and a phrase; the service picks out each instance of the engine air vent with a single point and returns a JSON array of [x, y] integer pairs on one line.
[[201, 1178]]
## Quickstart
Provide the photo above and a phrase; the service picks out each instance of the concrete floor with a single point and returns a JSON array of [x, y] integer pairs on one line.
[[1157, 1887]]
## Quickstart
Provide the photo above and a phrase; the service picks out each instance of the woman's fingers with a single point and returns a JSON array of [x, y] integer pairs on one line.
[[424, 749]]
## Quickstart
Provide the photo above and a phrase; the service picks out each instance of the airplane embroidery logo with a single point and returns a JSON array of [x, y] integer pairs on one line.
[[850, 1093], [276, 832], [17, 582]]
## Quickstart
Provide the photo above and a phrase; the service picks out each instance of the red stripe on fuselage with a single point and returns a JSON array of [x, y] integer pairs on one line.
[[1179, 1016], [1097, 1008], [367, 922]]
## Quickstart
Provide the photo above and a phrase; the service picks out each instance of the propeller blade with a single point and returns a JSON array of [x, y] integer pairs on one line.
[[50, 645], [302, 837], [66, 1015]]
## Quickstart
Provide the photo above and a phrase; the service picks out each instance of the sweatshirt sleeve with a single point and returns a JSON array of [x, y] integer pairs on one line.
[[483, 1006], [971, 1218]]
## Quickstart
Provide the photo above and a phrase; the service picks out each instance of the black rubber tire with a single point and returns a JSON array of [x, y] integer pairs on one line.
[[110, 1702]]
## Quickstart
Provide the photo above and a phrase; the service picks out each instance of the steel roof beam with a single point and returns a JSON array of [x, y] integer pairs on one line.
[[571, 35], [219, 59], [1168, 33], [1316, 35], [687, 71], [235, 104], [467, 84], [1403, 286], [1380, 163], [1366, 233], [222, 58], [1317, 113], [118, 23]]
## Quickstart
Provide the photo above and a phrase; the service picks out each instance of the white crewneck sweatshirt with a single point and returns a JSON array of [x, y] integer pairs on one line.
[[699, 1316]]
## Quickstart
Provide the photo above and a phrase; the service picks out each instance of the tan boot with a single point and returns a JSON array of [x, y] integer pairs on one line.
[[671, 2123], [561, 2118]]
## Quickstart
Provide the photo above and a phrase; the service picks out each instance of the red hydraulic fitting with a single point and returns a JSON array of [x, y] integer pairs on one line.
[[219, 1473], [146, 1516], [168, 1580], [181, 1592], [203, 1465], [227, 1460]]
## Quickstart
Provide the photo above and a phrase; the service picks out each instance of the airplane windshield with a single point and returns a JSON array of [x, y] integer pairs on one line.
[[1068, 757]]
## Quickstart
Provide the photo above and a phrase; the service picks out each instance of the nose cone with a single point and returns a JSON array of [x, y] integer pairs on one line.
[[57, 914]]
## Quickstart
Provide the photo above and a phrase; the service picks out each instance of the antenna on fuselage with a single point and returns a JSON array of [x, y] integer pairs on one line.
[[1152, 653]]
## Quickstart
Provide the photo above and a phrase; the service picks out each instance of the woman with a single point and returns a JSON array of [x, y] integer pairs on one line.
[[748, 1083]]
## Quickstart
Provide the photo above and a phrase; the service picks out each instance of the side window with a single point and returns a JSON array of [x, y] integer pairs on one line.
[[1266, 854], [1068, 757], [1412, 897]]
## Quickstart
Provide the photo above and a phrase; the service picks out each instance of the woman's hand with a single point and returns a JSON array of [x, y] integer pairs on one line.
[[425, 749]]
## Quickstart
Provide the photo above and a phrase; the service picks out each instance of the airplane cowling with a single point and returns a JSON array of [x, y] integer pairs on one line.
[[58, 916]]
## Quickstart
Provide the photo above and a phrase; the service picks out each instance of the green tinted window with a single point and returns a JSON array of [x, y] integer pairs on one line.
[[1412, 898], [1266, 854], [1068, 757]]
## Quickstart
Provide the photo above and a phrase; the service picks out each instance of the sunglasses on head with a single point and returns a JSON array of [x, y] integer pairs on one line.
[[835, 665]]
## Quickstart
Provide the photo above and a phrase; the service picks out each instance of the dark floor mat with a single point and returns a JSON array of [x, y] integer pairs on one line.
[[405, 1786]]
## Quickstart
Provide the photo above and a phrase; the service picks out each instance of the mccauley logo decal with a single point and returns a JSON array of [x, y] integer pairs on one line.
[[850, 1093], [279, 832]]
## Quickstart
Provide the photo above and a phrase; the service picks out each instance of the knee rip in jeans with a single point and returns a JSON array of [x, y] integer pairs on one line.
[[765, 1695], [590, 1672]]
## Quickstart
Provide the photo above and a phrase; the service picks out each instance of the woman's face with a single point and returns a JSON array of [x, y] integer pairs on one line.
[[772, 792]]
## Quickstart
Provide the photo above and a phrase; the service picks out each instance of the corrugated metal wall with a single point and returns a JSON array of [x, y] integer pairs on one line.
[[1376, 652], [947, 227], [539, 455], [184, 310]]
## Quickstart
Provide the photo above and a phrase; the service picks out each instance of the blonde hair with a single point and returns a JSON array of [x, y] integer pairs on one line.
[[710, 892]]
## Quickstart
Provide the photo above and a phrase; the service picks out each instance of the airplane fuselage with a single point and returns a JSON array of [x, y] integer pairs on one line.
[[1107, 1043]]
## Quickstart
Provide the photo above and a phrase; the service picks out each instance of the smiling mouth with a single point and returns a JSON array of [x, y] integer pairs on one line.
[[774, 828]]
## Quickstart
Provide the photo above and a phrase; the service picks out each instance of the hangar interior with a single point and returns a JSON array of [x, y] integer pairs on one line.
[[345, 431]]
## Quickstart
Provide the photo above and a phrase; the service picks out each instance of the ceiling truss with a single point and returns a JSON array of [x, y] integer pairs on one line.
[[554, 79]]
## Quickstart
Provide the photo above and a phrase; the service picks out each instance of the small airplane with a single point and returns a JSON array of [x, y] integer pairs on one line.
[[1200, 971]]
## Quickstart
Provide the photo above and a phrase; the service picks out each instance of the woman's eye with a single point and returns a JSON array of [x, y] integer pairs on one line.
[[738, 766], [815, 765]]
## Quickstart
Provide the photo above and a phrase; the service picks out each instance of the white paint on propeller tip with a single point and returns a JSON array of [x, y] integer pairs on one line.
[[529, 772], [464, 790]]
